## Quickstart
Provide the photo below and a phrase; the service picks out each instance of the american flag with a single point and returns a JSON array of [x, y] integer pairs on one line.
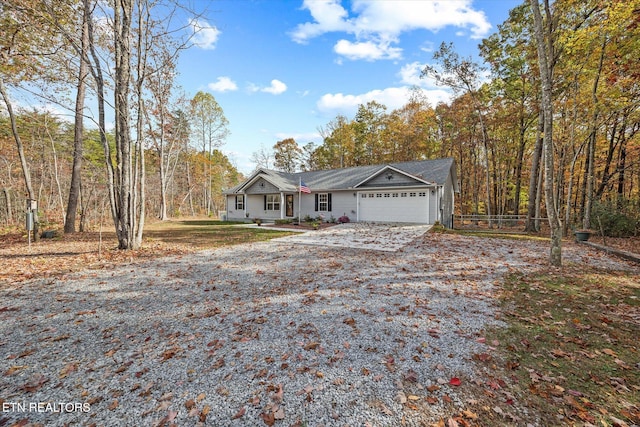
[[304, 188]]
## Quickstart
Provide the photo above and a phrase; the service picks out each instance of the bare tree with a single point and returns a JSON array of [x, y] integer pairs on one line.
[[263, 158], [83, 72], [544, 41]]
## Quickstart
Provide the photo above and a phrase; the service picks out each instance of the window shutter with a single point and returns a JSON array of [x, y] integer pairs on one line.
[[329, 202], [316, 203], [265, 202]]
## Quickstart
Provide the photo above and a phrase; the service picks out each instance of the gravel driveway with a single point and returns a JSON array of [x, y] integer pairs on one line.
[[274, 332]]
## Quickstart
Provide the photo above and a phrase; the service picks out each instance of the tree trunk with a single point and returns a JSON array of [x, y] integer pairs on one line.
[[591, 152], [519, 159], [193, 213], [122, 33], [76, 174], [532, 208], [23, 160], [7, 196], [545, 54]]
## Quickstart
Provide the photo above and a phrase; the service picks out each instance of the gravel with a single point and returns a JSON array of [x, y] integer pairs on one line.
[[261, 333]]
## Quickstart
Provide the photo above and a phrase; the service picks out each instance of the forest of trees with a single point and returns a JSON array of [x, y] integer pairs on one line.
[[162, 156], [494, 126], [577, 154]]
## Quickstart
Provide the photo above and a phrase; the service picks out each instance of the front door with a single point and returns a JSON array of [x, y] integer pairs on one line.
[[289, 204]]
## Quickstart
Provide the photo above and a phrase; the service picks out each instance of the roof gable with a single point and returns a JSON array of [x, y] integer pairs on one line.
[[391, 176]]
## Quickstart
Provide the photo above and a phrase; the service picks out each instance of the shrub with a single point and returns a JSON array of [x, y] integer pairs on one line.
[[614, 220], [283, 221], [343, 219], [307, 218]]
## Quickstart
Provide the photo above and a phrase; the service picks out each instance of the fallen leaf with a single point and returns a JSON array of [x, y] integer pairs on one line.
[[36, 381], [279, 394], [204, 413], [269, 419], [455, 381], [113, 405], [70, 367], [240, 413], [279, 414], [311, 346], [469, 414], [432, 400]]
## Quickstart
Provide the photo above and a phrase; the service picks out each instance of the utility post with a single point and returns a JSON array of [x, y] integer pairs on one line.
[[31, 218]]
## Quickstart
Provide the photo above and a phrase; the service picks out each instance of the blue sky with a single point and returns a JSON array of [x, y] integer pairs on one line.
[[283, 69]]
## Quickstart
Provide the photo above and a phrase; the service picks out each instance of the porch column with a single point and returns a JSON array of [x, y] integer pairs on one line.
[[282, 207], [429, 221], [244, 198]]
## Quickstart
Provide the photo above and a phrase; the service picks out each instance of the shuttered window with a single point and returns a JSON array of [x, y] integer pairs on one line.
[[323, 202], [240, 202]]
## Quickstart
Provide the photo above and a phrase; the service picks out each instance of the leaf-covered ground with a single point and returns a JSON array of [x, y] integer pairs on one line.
[[571, 346], [567, 354], [93, 250]]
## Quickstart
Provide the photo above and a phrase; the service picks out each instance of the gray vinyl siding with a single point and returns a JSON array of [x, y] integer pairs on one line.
[[262, 186], [397, 180]]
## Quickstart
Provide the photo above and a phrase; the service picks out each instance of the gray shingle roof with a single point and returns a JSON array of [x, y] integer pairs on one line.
[[435, 171]]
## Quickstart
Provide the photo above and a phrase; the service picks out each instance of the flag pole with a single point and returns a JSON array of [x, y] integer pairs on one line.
[[299, 200]]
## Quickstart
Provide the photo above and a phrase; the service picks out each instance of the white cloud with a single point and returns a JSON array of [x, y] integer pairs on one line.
[[276, 88], [377, 24], [329, 16], [393, 98], [369, 51], [223, 84], [205, 36], [300, 138], [410, 74], [394, 17]]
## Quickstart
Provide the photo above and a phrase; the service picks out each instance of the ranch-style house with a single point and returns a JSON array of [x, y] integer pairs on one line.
[[408, 192]]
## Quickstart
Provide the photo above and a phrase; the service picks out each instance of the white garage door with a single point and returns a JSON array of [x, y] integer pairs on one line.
[[394, 206]]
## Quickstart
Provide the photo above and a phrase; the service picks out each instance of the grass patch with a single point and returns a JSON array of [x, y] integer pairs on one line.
[[94, 250], [570, 350], [201, 234]]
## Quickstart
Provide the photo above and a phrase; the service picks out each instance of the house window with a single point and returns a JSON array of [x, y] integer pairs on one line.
[[395, 194], [422, 194], [403, 194], [323, 202], [272, 202], [412, 194], [240, 202], [378, 194], [387, 195]]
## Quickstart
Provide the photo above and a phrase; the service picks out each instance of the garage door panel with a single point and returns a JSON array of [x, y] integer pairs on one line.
[[409, 206]]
